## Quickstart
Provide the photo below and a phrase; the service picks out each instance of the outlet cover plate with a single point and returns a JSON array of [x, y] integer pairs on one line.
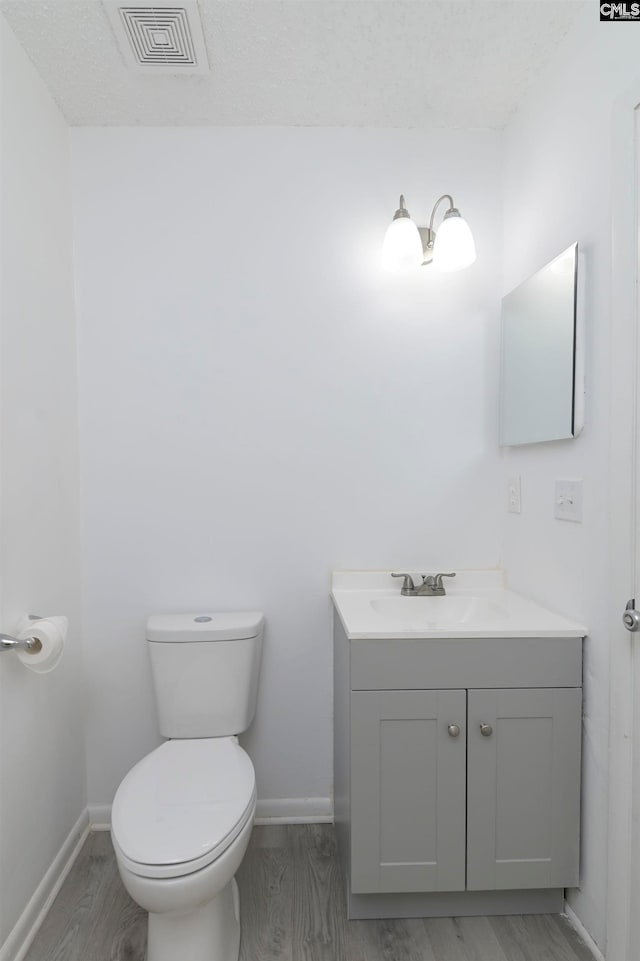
[[514, 500]]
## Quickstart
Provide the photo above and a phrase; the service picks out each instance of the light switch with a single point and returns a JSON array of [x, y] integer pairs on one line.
[[514, 504], [568, 500]]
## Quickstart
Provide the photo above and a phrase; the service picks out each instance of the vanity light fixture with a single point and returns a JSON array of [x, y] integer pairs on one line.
[[407, 245]]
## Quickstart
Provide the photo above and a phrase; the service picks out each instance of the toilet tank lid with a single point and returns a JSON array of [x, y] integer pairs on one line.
[[204, 626]]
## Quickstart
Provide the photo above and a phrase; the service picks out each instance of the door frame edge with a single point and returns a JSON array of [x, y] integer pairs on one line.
[[623, 470]]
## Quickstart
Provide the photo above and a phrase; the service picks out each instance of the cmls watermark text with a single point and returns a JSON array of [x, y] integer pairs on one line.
[[620, 11]]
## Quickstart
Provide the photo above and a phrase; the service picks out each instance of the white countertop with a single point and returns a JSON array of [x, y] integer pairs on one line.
[[476, 604]]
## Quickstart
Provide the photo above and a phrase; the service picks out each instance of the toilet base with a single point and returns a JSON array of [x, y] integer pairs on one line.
[[211, 932]]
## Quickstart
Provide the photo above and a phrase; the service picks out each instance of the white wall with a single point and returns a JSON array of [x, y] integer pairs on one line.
[[260, 405], [42, 760], [558, 172]]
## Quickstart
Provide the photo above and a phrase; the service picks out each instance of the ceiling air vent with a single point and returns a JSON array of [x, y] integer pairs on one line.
[[162, 37]]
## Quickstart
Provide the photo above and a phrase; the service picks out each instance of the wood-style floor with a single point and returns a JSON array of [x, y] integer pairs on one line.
[[292, 909]]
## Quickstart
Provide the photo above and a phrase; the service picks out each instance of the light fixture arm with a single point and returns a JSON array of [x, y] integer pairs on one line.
[[402, 209], [436, 205], [428, 234]]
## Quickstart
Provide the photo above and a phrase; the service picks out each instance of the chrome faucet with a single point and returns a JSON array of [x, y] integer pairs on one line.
[[431, 586]]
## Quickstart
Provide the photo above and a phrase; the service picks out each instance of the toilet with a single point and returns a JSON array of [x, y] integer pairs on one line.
[[182, 817]]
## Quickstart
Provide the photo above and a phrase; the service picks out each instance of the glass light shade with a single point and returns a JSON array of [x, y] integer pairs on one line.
[[402, 247], [453, 248]]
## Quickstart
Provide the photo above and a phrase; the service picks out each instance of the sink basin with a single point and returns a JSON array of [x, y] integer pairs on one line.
[[477, 604], [435, 612]]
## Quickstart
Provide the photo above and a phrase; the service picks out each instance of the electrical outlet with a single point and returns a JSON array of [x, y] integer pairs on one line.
[[514, 503], [568, 501]]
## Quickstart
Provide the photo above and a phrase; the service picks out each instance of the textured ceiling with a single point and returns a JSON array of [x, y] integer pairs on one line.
[[359, 63]]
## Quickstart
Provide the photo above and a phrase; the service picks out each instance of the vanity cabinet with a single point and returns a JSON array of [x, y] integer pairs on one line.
[[457, 773]]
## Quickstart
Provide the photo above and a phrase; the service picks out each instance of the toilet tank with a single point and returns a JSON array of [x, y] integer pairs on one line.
[[205, 671]]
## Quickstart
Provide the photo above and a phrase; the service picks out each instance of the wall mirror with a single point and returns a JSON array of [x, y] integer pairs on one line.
[[542, 370]]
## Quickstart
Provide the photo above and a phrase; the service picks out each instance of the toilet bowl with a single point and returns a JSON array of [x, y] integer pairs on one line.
[[181, 822], [182, 817]]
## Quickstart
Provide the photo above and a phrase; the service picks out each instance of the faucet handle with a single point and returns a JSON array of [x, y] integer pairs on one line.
[[438, 579], [408, 587]]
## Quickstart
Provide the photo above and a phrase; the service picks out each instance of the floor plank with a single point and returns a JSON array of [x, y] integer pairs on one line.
[[265, 880], [446, 939], [318, 907], [479, 939], [292, 907], [399, 940], [92, 915], [538, 937]]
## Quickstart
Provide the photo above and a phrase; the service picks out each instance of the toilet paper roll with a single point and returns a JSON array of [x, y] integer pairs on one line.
[[50, 632]]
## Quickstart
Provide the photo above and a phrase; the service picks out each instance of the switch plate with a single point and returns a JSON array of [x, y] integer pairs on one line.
[[568, 501], [514, 503]]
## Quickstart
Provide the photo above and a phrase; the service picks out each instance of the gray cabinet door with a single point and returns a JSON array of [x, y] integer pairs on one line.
[[523, 788], [407, 791]]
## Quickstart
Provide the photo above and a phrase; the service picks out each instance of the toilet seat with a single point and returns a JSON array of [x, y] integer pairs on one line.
[[182, 806]]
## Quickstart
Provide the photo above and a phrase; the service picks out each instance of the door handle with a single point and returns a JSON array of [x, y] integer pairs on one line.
[[631, 617]]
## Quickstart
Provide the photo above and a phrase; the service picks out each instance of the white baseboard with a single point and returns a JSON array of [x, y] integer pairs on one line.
[[582, 933], [26, 928], [294, 810], [99, 818]]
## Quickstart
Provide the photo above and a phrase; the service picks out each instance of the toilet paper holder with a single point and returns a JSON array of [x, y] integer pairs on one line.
[[31, 644]]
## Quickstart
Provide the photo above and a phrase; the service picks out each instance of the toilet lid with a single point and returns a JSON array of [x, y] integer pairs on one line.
[[182, 805]]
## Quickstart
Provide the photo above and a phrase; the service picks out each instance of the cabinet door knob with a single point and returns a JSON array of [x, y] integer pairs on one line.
[[453, 730], [486, 730]]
